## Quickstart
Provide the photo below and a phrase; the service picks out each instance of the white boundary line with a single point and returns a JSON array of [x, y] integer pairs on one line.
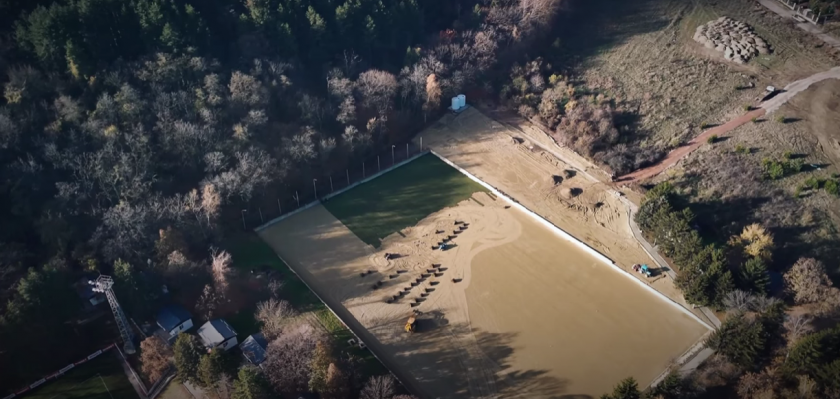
[[106, 386], [571, 239]]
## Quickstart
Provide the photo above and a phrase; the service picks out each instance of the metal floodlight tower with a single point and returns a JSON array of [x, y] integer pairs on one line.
[[104, 284]]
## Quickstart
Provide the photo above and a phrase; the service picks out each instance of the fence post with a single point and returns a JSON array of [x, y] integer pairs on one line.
[[279, 208], [261, 218], [406, 150], [363, 170], [297, 198], [348, 176], [331, 186], [378, 167], [421, 143]]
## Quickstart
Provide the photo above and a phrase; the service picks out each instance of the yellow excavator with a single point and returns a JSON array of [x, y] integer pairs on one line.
[[411, 324]]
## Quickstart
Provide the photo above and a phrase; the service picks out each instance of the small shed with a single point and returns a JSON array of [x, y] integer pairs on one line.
[[253, 348], [174, 319], [217, 334]]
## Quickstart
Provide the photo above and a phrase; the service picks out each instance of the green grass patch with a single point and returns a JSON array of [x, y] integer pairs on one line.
[[401, 198], [250, 252], [101, 378]]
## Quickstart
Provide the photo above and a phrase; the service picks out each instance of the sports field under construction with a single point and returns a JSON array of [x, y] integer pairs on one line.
[[511, 307]]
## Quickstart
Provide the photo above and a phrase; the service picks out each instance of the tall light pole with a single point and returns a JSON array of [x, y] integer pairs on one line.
[[392, 154], [315, 187], [104, 284], [243, 219]]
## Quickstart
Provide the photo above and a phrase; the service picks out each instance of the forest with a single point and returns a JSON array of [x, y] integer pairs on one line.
[[132, 132]]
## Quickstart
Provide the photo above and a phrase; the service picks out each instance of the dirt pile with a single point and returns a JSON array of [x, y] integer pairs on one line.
[[734, 39]]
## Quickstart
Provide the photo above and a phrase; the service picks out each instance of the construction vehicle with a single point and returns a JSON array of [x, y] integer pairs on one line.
[[411, 324]]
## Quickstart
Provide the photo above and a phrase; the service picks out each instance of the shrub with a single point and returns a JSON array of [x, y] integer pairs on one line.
[[747, 107], [775, 170], [787, 155], [832, 187], [812, 182], [704, 125], [741, 149], [713, 139], [754, 120], [780, 119]]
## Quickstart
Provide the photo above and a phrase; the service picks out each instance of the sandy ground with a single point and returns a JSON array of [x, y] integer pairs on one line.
[[501, 157], [512, 311]]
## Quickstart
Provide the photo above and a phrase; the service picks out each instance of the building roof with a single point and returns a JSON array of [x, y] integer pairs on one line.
[[254, 347], [171, 316], [214, 332]]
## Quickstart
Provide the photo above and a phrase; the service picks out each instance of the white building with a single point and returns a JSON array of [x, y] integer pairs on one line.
[[174, 319], [217, 334]]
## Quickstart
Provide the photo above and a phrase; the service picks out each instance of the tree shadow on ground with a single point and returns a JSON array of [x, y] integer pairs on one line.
[[717, 219], [591, 27], [455, 362]]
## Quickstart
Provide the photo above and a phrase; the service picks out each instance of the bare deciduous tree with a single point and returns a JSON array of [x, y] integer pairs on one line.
[[807, 280], [274, 315], [210, 202], [246, 89], [275, 286], [154, 358], [220, 262], [346, 111], [288, 359], [739, 300], [751, 384], [339, 86], [377, 89], [207, 302], [378, 387], [763, 303], [433, 93], [301, 147], [797, 326], [214, 161]]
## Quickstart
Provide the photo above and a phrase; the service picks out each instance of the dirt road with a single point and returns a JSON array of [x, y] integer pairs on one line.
[[679, 153], [768, 107]]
